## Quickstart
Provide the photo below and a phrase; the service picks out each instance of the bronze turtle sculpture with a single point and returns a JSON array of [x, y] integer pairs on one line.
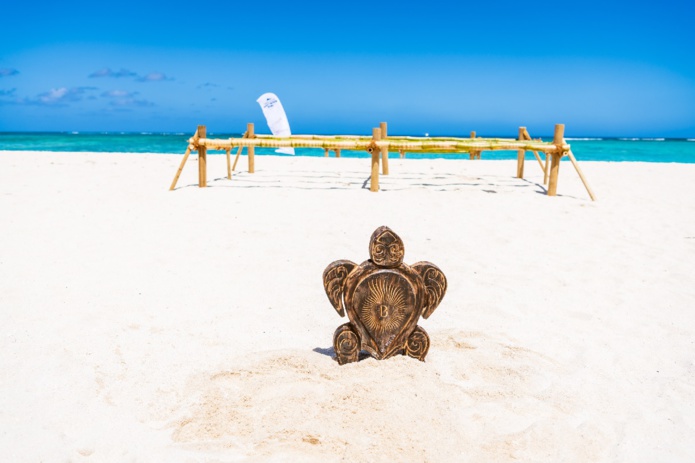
[[384, 299]]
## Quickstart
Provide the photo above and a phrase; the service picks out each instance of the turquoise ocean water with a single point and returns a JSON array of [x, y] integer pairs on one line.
[[585, 148]]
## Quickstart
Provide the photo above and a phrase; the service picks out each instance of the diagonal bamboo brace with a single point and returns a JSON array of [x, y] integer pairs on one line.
[[238, 152], [191, 145], [178, 172], [581, 175], [526, 136]]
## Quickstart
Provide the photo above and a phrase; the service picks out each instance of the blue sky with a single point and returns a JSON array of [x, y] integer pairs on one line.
[[623, 68]]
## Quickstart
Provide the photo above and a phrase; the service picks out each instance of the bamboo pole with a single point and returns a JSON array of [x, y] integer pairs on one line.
[[337, 152], [236, 158], [554, 171], [558, 140], [535, 154], [474, 154], [229, 164], [374, 181], [183, 163], [202, 159], [538, 158], [393, 144], [520, 155], [303, 140], [250, 150], [471, 154], [544, 168], [401, 153], [325, 152], [581, 175], [384, 150], [238, 152]]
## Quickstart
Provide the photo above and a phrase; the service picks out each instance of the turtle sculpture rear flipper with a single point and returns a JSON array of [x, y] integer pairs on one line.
[[383, 298], [346, 344]]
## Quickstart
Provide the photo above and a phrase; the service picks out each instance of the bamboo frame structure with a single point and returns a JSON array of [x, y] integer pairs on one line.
[[379, 145]]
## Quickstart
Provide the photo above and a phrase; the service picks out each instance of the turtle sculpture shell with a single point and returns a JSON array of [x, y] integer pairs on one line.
[[384, 299]]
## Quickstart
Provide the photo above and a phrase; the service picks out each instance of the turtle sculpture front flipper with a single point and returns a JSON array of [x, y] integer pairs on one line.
[[383, 298]]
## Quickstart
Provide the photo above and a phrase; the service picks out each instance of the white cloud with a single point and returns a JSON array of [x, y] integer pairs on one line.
[[59, 96]]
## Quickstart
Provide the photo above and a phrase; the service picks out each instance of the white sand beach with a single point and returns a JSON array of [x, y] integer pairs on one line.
[[147, 325]]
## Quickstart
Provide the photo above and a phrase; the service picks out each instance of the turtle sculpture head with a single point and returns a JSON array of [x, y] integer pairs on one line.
[[386, 248]]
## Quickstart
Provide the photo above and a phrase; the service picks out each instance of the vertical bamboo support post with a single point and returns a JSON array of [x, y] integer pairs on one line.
[[558, 140], [520, 155], [251, 150], [385, 150], [229, 164], [374, 183], [545, 169], [401, 153], [202, 159], [325, 152], [337, 152]]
